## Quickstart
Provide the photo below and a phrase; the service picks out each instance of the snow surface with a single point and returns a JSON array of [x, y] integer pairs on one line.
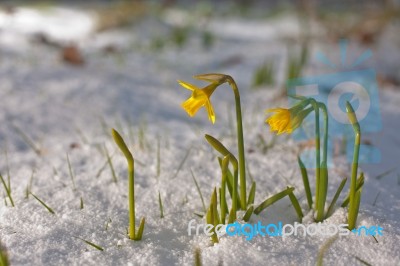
[[70, 110]]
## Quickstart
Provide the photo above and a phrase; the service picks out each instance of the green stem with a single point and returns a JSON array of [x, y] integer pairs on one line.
[[242, 166], [317, 151], [131, 184], [323, 182], [352, 213], [131, 180], [235, 195], [224, 167], [325, 147]]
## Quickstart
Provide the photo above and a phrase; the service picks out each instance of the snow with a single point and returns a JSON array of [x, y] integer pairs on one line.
[[70, 110]]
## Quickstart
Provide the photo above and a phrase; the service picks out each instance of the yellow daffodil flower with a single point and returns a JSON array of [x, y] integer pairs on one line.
[[287, 120], [280, 121], [199, 98]]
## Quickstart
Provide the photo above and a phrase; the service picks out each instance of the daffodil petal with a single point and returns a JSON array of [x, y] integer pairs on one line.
[[187, 85], [210, 111]]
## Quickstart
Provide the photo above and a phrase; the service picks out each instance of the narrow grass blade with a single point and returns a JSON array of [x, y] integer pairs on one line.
[[8, 171], [249, 173], [131, 134], [199, 191], [102, 168], [272, 200], [182, 162], [29, 186], [28, 141], [201, 215], [104, 125], [248, 214], [197, 257], [139, 234], [81, 135], [376, 198], [161, 205], [7, 189], [306, 182], [141, 135], [296, 205], [324, 248], [44, 204], [107, 223], [110, 164], [362, 261], [158, 157], [71, 173], [252, 194], [82, 203], [380, 176], [335, 198], [91, 244], [360, 183]]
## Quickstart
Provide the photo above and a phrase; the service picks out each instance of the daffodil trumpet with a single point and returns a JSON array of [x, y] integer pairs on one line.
[[201, 98]]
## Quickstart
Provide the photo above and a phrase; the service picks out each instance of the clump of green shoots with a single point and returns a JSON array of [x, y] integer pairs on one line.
[[131, 185], [233, 182], [288, 120]]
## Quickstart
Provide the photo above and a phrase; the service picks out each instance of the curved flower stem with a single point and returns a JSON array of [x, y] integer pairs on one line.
[[131, 187], [317, 151], [131, 180], [242, 167]]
